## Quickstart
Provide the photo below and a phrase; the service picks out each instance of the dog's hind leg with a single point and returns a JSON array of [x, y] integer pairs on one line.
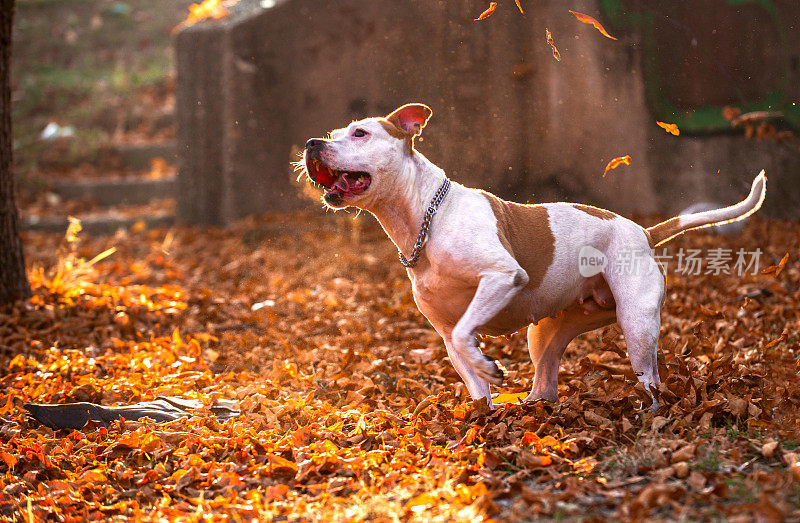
[[641, 330], [639, 297], [546, 343], [548, 339]]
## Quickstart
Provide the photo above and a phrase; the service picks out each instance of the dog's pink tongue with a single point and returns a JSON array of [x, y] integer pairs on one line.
[[343, 185]]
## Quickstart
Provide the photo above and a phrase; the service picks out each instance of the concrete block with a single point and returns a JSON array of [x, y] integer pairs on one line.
[[252, 88]]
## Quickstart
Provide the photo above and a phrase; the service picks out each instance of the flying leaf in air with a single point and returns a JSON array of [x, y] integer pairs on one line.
[[519, 6], [671, 128], [586, 19], [552, 44], [616, 162], [486, 14]]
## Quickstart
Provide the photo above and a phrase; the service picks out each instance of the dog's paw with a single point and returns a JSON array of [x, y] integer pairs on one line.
[[545, 397], [492, 371]]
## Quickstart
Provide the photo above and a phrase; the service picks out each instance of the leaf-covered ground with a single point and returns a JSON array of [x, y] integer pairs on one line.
[[350, 408]]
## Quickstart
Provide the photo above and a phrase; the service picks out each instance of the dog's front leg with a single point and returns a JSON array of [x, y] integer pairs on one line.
[[476, 386], [495, 291]]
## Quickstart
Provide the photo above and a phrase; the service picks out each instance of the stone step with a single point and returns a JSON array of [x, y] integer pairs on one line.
[[132, 157], [119, 191], [101, 223], [138, 157]]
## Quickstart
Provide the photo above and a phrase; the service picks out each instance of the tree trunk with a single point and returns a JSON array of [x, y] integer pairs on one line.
[[13, 280]]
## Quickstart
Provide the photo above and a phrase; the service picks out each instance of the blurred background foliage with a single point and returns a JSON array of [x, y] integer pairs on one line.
[[102, 67]]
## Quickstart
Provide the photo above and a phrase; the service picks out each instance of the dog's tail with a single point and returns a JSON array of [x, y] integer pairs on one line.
[[673, 227]]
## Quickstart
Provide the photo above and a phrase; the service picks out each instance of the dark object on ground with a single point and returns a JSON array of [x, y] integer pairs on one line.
[[758, 294], [162, 409]]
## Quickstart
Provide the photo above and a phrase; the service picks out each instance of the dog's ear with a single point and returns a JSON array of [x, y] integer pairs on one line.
[[411, 118]]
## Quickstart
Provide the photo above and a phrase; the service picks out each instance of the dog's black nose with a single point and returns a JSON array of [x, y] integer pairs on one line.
[[314, 143]]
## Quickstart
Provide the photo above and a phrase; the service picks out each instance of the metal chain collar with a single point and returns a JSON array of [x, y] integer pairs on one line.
[[422, 238]]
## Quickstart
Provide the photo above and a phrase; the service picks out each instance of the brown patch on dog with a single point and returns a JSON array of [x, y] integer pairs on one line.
[[597, 212], [664, 231], [398, 133], [524, 231], [650, 241], [393, 130], [408, 120]]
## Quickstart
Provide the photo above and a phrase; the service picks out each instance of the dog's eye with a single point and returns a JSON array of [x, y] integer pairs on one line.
[[359, 133]]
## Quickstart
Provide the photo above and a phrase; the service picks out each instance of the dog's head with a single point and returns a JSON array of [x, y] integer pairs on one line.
[[359, 162]]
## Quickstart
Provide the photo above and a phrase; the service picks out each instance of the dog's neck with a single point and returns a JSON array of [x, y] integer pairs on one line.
[[402, 211]]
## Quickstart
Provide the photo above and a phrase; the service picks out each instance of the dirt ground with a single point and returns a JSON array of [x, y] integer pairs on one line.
[[350, 407]]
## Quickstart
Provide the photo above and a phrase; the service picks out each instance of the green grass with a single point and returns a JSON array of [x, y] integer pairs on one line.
[[741, 491], [710, 463], [735, 431]]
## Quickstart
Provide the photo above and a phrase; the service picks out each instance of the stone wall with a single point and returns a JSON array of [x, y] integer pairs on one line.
[[507, 117]]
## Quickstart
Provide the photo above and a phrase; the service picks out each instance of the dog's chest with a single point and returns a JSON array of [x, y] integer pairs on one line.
[[444, 298], [441, 297]]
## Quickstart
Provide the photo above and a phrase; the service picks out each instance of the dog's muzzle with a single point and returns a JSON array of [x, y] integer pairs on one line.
[[340, 184]]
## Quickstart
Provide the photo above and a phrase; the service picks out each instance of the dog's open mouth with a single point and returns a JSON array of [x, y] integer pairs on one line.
[[340, 183]]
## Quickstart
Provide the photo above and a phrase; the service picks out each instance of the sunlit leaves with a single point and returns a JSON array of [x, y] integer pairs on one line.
[[515, 397], [349, 407], [8, 459], [73, 229], [208, 9], [72, 272]]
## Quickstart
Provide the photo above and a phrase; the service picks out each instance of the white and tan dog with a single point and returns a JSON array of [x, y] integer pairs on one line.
[[488, 266]]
